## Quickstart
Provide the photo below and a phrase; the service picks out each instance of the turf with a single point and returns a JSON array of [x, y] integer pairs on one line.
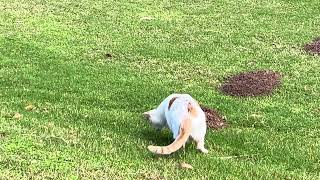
[[91, 67]]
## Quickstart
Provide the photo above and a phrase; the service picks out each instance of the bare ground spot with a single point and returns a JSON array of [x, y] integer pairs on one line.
[[253, 83], [107, 56], [3, 135], [313, 47], [214, 119]]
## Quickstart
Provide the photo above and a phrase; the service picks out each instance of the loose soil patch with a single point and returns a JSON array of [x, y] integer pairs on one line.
[[313, 47], [253, 83], [3, 135], [107, 55], [214, 119]]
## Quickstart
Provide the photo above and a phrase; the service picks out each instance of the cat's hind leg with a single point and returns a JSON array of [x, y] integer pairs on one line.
[[198, 136], [200, 145]]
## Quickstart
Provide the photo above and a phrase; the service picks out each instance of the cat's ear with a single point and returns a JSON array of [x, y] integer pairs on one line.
[[146, 115]]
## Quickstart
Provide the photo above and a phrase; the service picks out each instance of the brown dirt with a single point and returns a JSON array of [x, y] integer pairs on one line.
[[253, 83], [107, 55], [3, 135], [214, 120], [313, 47]]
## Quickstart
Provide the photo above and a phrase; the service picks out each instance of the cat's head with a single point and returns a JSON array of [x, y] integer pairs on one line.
[[153, 117]]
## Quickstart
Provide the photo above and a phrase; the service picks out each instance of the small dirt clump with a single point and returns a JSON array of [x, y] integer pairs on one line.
[[313, 47], [214, 120], [253, 83], [2, 135], [107, 55]]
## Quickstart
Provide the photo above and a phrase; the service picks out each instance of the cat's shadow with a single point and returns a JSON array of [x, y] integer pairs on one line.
[[158, 137]]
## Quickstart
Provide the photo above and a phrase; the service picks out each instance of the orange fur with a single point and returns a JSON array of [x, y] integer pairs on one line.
[[192, 110]]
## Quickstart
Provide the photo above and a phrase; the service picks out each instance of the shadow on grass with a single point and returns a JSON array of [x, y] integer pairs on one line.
[[164, 138], [156, 137]]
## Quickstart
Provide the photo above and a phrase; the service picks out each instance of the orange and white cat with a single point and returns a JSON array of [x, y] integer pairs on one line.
[[184, 117]]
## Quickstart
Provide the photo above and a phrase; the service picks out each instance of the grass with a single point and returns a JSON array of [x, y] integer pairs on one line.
[[87, 121]]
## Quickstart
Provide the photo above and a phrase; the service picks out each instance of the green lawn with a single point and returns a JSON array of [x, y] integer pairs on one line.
[[87, 122]]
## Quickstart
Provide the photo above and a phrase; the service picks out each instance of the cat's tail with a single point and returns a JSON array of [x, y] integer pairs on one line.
[[184, 133]]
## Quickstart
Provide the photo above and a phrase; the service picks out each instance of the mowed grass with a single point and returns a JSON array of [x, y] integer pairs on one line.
[[87, 122]]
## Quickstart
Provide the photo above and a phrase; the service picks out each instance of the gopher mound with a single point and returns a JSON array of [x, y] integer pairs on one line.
[[253, 83], [313, 47], [214, 120]]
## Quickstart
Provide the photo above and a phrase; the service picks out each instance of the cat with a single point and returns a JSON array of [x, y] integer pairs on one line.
[[184, 117]]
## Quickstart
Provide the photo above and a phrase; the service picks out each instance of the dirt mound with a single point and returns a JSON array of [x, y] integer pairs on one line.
[[253, 83], [313, 47], [214, 120]]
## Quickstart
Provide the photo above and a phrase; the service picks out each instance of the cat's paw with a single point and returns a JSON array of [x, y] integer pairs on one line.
[[204, 150]]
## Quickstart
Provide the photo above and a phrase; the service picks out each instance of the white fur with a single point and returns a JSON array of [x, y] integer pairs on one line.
[[172, 118]]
